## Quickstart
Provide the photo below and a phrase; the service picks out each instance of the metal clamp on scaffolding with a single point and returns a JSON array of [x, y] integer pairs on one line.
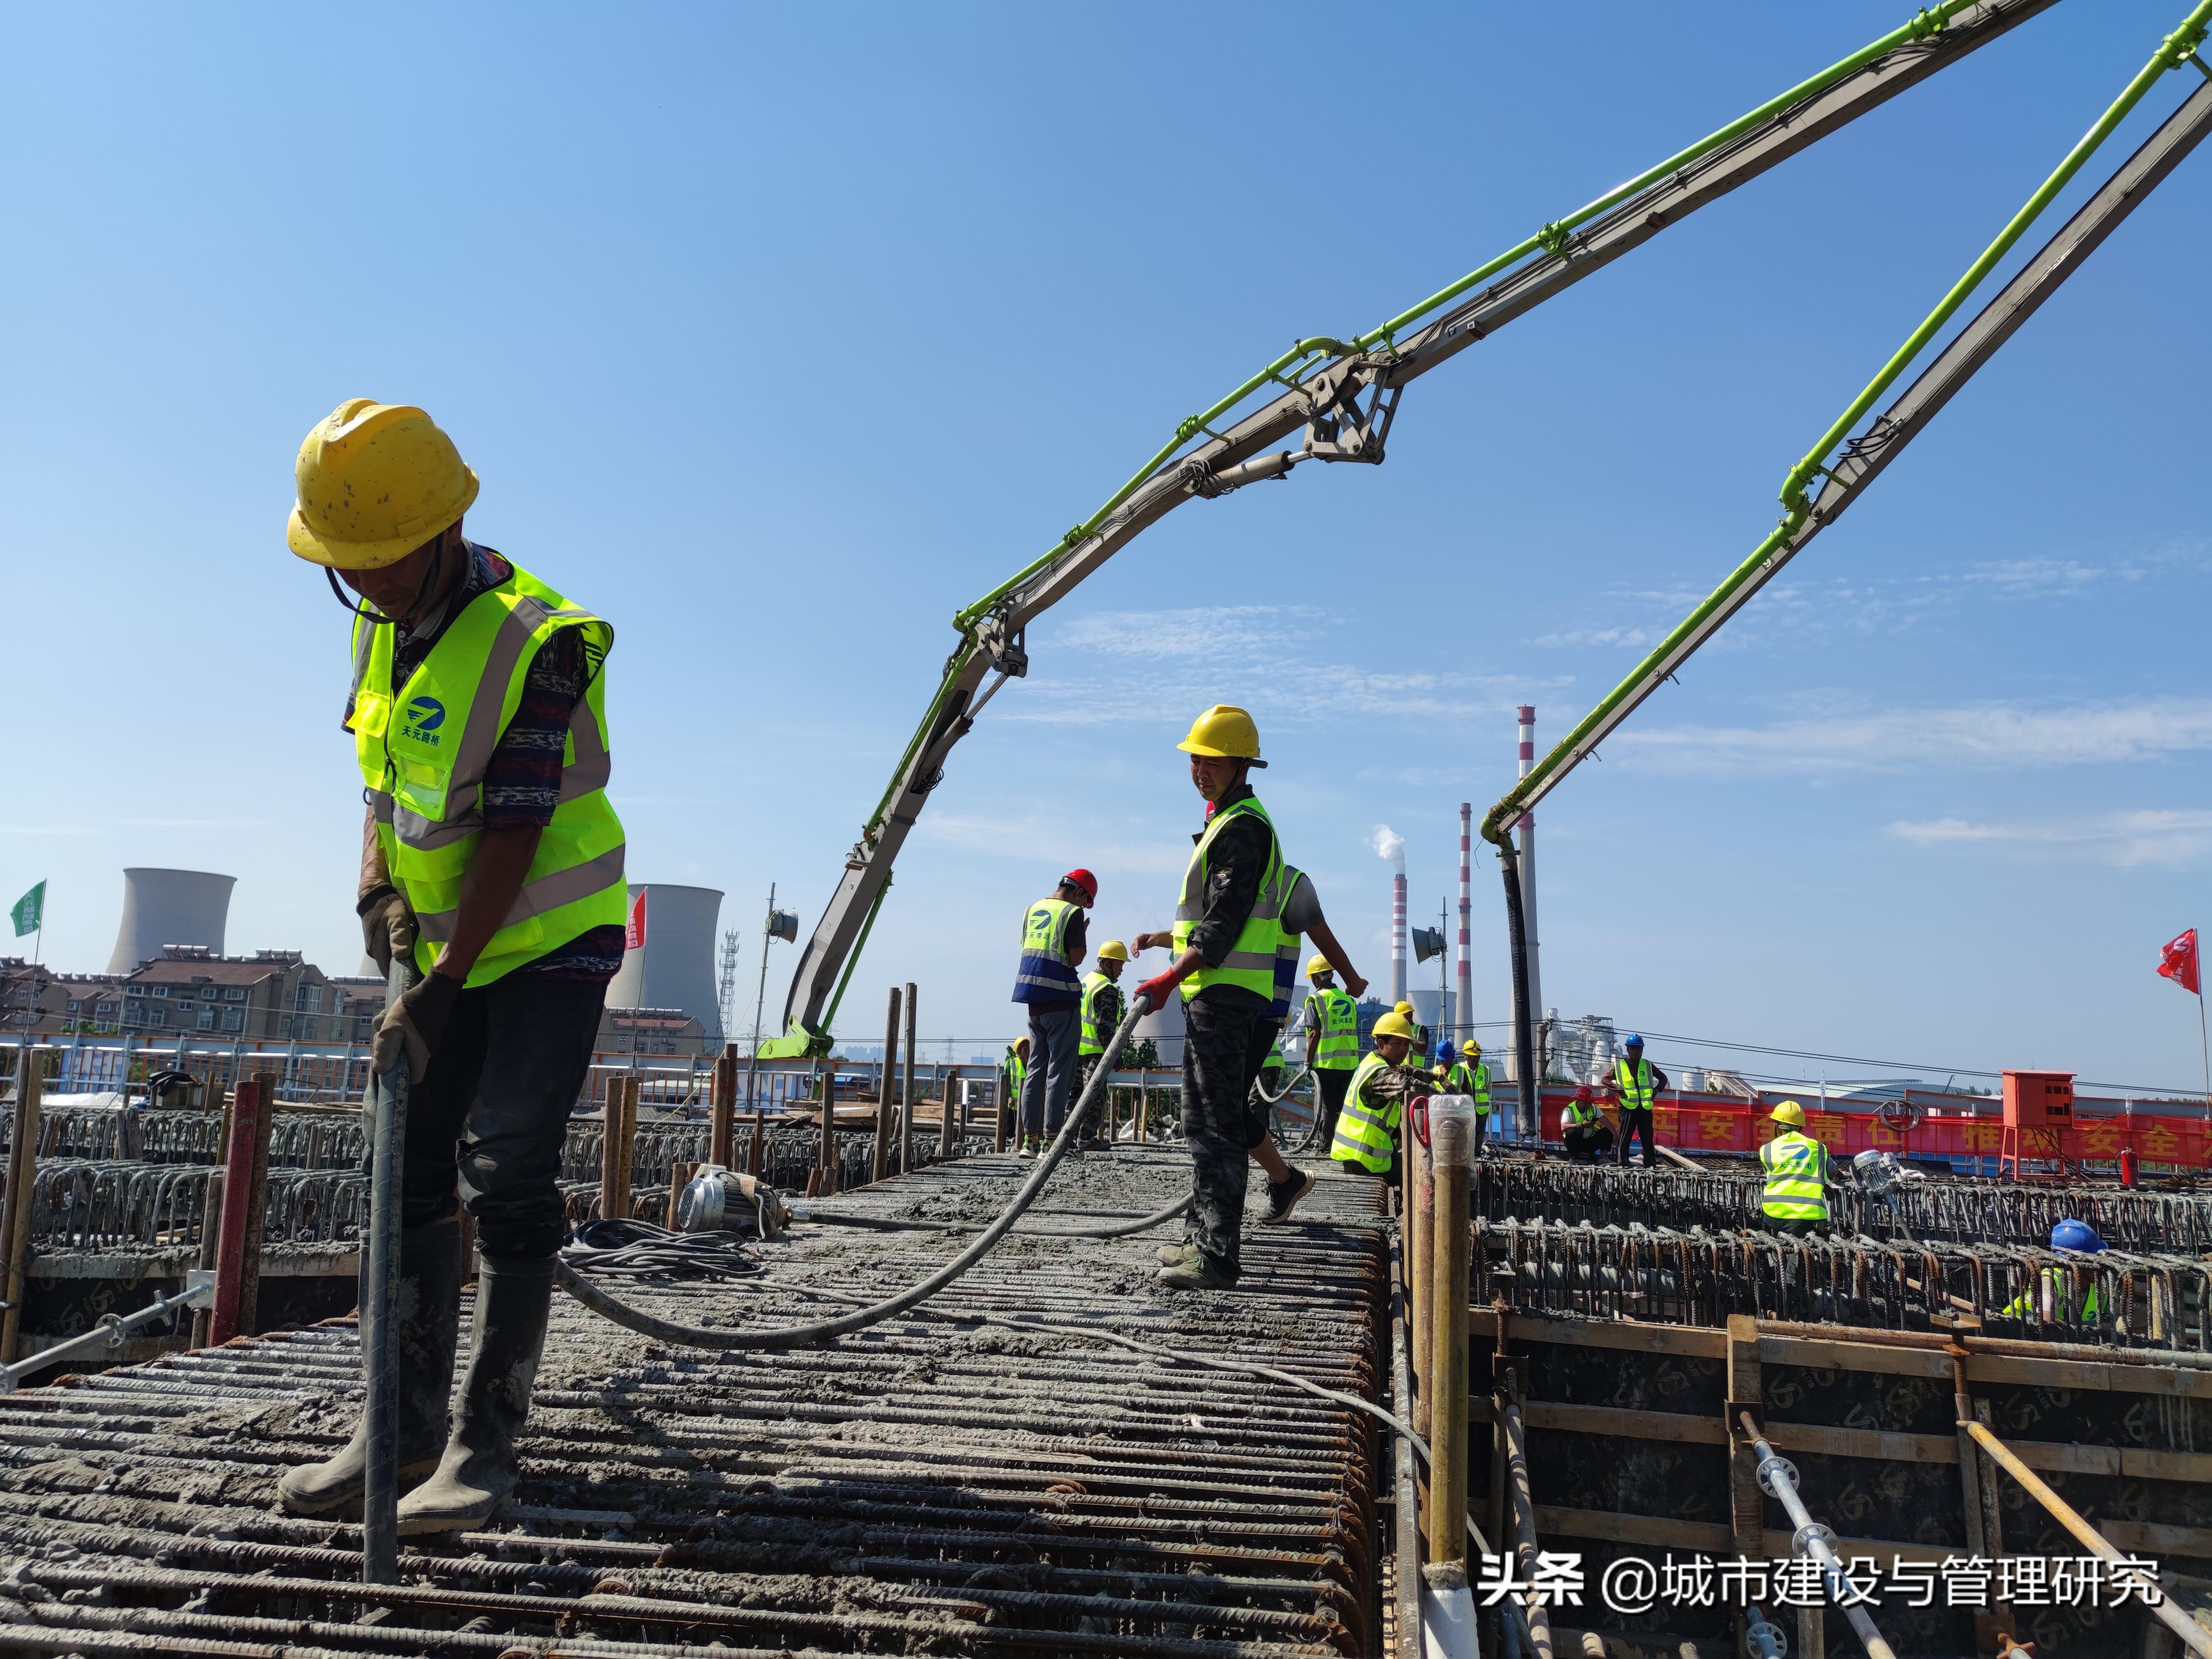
[[113, 1328], [1778, 1475]]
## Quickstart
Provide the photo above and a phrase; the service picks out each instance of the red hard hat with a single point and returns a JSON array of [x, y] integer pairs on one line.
[[1583, 1093], [1084, 883]]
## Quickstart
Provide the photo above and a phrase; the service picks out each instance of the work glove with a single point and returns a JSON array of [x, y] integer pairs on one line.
[[412, 1026], [1154, 993], [387, 928]]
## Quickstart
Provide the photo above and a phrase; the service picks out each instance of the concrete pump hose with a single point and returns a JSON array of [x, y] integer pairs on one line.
[[891, 1224], [795, 1336]]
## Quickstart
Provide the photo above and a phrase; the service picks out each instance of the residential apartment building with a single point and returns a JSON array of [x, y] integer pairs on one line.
[[271, 996]]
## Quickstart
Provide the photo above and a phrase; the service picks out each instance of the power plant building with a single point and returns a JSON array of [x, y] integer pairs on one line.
[[161, 907]]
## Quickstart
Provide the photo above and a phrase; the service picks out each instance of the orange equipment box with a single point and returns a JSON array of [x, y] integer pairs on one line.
[[2036, 1100]]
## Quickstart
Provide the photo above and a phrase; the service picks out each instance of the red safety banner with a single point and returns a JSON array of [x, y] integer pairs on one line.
[[634, 935]]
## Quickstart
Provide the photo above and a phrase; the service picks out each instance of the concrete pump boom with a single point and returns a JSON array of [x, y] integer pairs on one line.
[[1343, 395]]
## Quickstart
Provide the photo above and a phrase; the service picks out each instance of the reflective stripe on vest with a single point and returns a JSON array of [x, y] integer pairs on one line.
[[1636, 1090], [1045, 974], [1095, 1030], [1576, 1118], [1338, 1019], [1795, 1192], [1366, 1131], [1474, 1080], [1250, 963], [422, 749]]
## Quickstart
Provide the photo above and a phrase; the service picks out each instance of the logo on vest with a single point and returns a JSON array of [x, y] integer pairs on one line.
[[423, 717]]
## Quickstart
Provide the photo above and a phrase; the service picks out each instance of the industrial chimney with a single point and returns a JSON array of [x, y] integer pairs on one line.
[[673, 965], [1390, 846], [169, 907]]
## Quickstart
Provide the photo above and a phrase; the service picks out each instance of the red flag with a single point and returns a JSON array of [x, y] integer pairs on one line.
[[634, 935], [2177, 961]]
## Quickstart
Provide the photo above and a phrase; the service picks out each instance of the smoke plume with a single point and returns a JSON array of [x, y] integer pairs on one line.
[[1389, 844]]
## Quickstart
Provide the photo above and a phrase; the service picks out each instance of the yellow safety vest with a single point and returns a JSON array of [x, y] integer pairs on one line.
[[1577, 1117], [1795, 1192], [1250, 963], [422, 749], [1045, 974], [1366, 1132], [1095, 1030], [2055, 1281], [1635, 1082], [1474, 1080], [1339, 1018]]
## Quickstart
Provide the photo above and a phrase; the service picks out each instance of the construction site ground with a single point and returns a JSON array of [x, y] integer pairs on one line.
[[933, 1485]]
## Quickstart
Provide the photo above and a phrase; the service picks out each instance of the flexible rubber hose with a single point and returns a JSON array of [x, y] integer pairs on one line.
[[891, 1224], [1524, 1041], [794, 1336]]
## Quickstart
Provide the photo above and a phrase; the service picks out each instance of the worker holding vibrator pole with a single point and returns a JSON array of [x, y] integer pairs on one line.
[[490, 852], [1054, 945], [1102, 1012], [1227, 937]]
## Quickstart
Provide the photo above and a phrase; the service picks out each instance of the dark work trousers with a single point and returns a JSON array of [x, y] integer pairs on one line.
[[1588, 1143], [1084, 1068], [1225, 1042], [1634, 1121], [1334, 1085], [1793, 1226], [1056, 1029], [488, 1119]]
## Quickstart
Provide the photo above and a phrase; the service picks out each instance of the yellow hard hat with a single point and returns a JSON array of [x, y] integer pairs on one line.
[[1223, 731], [1471, 1048], [1319, 965], [1395, 1024], [1113, 951], [1788, 1112], [1405, 1008], [376, 481]]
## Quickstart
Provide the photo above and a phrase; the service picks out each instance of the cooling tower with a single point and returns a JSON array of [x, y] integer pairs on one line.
[[674, 968], [169, 907], [1165, 1028]]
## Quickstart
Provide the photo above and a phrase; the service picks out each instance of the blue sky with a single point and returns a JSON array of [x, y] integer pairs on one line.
[[777, 335]]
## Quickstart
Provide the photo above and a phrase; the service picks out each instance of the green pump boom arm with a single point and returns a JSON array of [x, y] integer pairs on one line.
[[1342, 395]]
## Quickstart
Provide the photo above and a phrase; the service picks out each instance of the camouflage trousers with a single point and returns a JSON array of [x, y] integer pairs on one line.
[[1225, 1045]]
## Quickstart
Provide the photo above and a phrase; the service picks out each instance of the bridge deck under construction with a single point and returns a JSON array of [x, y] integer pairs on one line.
[[927, 1485]]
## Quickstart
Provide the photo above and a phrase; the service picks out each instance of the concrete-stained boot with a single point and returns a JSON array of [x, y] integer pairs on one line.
[[478, 1469], [426, 1329]]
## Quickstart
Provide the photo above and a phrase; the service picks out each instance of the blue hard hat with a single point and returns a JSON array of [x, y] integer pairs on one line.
[[2076, 1235], [1634, 1042]]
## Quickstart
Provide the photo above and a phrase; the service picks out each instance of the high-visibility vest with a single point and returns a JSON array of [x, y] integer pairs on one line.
[[1474, 1080], [1287, 950], [2054, 1281], [1095, 1029], [1366, 1131], [1336, 1015], [1045, 974], [422, 749], [1250, 963], [1275, 1049], [1582, 1114], [1634, 1084], [1795, 1192], [1013, 1070]]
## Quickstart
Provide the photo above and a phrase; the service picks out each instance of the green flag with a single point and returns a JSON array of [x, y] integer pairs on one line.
[[30, 911]]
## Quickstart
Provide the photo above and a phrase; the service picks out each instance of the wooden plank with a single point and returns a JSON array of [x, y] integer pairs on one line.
[[2179, 1382], [1821, 1441], [1822, 1355], [1746, 1391], [1707, 1536], [1885, 1552], [1685, 1339], [1613, 1419], [2148, 1538]]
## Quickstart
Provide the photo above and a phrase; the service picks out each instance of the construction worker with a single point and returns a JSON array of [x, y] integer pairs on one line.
[[1226, 938], [1798, 1175], [1635, 1085], [1102, 1010], [490, 855], [1053, 947], [1302, 916], [1418, 1049], [1012, 1072], [1583, 1126], [1332, 1022], [2047, 1300], [1469, 1076], [1366, 1139]]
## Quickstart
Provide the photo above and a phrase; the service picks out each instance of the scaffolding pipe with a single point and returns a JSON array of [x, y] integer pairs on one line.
[[1778, 1475], [380, 1287], [1524, 1527], [2193, 1635]]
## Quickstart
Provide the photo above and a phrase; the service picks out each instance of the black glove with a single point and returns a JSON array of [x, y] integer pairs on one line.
[[412, 1026]]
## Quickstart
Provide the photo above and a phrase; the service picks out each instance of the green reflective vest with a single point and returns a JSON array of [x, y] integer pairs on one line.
[[1366, 1131], [1102, 1012], [1794, 1162], [2055, 1280], [1634, 1084], [1474, 1080], [1336, 1016], [1580, 1115], [1014, 1071], [1250, 963], [422, 747]]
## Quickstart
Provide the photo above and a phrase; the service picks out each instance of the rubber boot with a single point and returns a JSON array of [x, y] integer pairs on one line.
[[426, 1329], [479, 1468]]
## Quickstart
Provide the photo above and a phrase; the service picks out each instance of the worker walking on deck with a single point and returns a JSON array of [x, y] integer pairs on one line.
[[1303, 918], [1332, 1019], [1012, 1070], [1588, 1137], [1798, 1175], [1053, 947], [1636, 1083], [1103, 1010], [1367, 1138], [1469, 1076], [1227, 928], [490, 855]]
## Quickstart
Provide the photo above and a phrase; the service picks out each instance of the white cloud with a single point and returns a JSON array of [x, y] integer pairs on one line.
[[1990, 735], [1211, 632], [2124, 839], [1017, 837]]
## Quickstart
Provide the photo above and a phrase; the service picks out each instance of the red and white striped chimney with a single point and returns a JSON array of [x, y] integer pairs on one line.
[[1397, 937]]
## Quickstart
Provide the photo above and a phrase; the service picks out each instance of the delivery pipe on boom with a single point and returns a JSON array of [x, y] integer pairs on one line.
[[1342, 395]]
